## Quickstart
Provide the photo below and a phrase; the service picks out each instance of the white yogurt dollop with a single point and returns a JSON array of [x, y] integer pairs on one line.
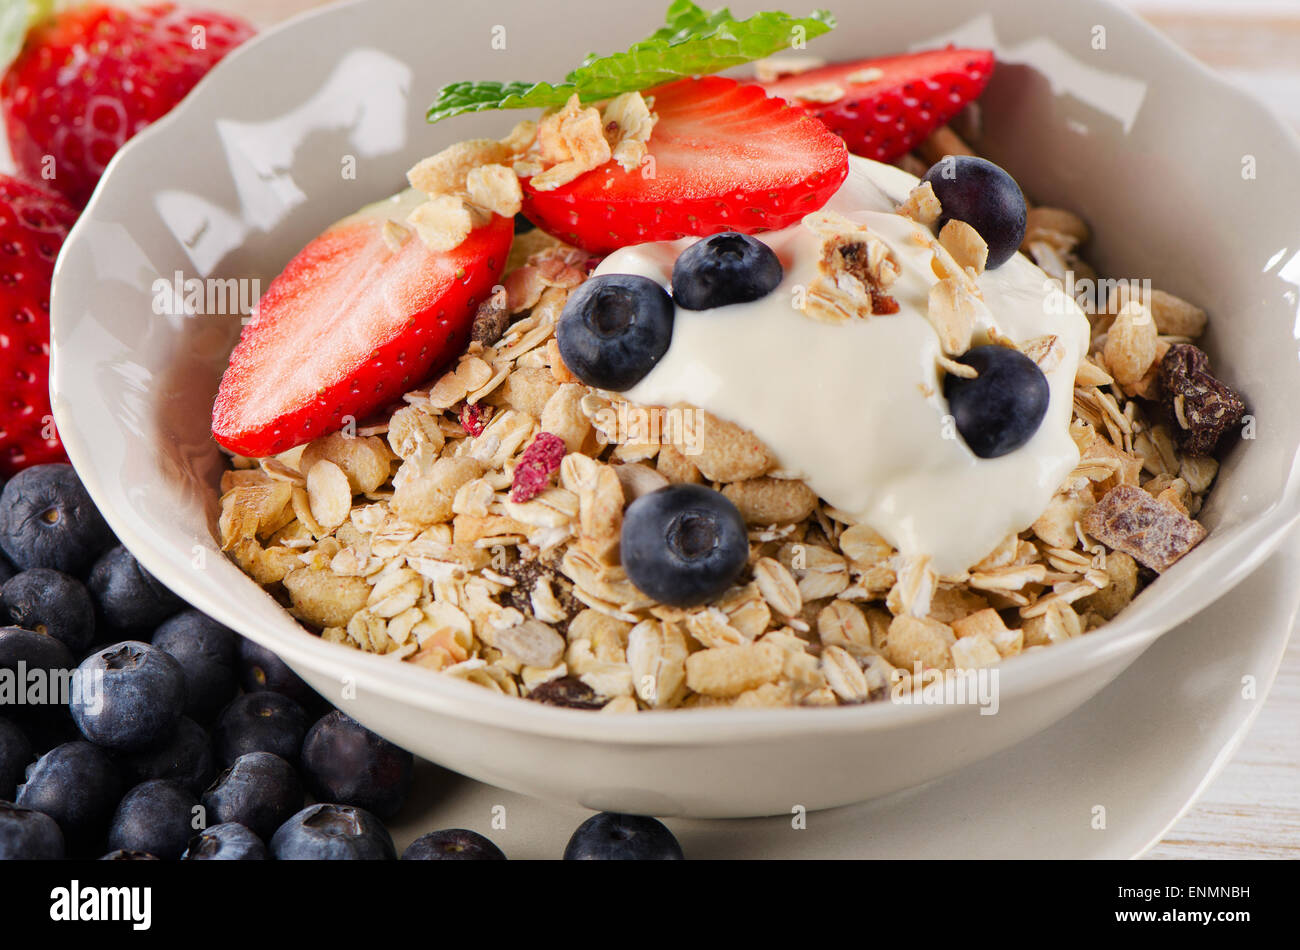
[[856, 409]]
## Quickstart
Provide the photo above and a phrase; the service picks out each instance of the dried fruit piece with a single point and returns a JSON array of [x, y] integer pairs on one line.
[[1156, 534], [474, 417], [490, 321], [530, 575], [539, 462], [566, 691], [855, 270], [1204, 410]]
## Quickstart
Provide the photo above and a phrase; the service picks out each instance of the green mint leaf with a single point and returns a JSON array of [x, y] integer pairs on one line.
[[717, 45], [692, 42], [684, 18], [458, 98]]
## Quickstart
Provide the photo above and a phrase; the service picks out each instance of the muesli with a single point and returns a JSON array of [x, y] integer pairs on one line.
[[791, 441]]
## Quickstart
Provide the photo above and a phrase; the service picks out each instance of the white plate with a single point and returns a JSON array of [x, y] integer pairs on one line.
[[1143, 749], [238, 177]]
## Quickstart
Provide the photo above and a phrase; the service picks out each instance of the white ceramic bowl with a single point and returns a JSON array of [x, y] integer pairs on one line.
[[1148, 145]]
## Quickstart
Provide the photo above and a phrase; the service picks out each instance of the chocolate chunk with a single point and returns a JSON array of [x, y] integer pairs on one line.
[[1203, 412], [566, 691], [1150, 531], [490, 322]]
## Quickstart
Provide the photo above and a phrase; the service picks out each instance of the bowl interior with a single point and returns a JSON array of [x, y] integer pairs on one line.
[[259, 159]]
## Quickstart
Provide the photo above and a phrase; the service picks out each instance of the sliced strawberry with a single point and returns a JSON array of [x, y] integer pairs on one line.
[[723, 157], [351, 325], [889, 115]]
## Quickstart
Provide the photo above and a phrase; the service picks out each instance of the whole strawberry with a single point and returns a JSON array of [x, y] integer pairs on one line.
[[33, 224], [89, 78]]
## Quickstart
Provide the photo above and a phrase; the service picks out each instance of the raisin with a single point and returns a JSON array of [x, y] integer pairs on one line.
[[566, 691], [1203, 412]]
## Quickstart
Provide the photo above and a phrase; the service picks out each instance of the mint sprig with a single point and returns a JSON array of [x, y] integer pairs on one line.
[[684, 18], [692, 42]]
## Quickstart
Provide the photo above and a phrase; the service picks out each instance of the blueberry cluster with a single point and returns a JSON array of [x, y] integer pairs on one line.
[[999, 410], [181, 739], [616, 327]]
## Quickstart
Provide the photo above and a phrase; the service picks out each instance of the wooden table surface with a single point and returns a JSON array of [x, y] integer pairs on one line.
[[1252, 810]]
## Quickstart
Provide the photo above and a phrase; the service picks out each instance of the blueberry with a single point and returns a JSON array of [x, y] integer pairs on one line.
[[610, 837], [613, 330], [128, 696], [157, 817], [49, 601], [206, 652], [454, 844], [345, 762], [28, 835], [1000, 410], [35, 650], [7, 570], [333, 833], [186, 758], [15, 754], [121, 854], [724, 268], [260, 722], [980, 193], [260, 791], [684, 544], [78, 786], [260, 669], [48, 520], [129, 598], [46, 732], [21, 653], [226, 842]]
